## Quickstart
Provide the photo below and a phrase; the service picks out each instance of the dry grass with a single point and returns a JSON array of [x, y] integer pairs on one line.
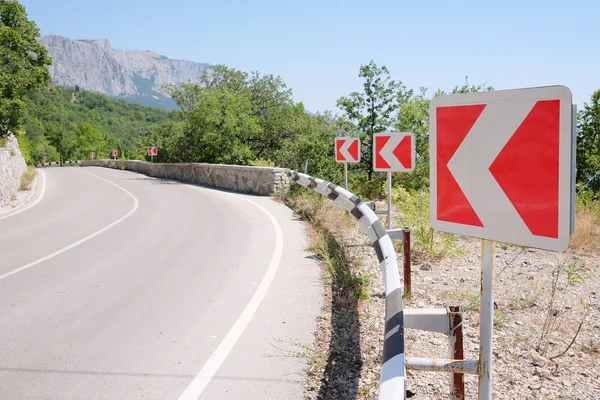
[[27, 178], [335, 364], [587, 231]]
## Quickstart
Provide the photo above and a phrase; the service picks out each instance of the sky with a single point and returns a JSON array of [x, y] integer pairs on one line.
[[317, 47]]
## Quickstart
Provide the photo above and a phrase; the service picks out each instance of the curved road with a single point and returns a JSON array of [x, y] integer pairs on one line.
[[120, 286]]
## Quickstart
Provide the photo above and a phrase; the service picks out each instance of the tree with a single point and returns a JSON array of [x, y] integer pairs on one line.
[[218, 123], [413, 116], [62, 138], [588, 144], [371, 111], [89, 139], [23, 62]]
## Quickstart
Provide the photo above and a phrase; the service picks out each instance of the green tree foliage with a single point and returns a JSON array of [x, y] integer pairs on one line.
[[588, 144], [413, 116], [70, 123], [238, 118], [23, 62], [371, 111], [89, 139]]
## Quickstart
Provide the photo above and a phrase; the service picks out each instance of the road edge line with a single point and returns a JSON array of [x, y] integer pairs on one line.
[[42, 192], [209, 369], [85, 239]]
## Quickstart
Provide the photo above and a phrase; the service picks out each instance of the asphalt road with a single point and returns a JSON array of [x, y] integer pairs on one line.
[[114, 285]]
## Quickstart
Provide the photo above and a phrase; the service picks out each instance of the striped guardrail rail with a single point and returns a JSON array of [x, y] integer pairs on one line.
[[393, 370], [57, 164]]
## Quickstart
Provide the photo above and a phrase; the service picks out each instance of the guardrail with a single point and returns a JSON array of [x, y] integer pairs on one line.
[[393, 370], [57, 164]]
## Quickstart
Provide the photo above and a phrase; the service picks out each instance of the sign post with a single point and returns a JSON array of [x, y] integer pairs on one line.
[[114, 154], [152, 151], [347, 150], [501, 170], [92, 155], [393, 152]]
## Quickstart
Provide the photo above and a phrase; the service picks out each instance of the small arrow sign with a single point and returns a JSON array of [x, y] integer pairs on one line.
[[394, 152], [114, 153], [347, 149], [152, 151], [501, 166]]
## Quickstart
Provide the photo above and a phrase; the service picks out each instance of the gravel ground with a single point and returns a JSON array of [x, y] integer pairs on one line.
[[522, 293]]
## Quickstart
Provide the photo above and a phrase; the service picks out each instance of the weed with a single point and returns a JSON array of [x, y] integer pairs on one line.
[[27, 178], [530, 299], [499, 318], [2, 142], [360, 285], [468, 300], [574, 274], [558, 307], [262, 163], [13, 197], [312, 208], [587, 223], [425, 242]]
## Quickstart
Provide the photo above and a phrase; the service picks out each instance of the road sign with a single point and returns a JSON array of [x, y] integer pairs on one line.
[[114, 153], [92, 155], [501, 165], [394, 152], [347, 149], [152, 151]]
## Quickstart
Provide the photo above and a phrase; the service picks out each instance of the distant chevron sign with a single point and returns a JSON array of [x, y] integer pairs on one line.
[[394, 151], [347, 149]]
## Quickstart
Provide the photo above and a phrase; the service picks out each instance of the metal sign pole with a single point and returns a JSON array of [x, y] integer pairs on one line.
[[346, 175], [389, 199], [486, 317]]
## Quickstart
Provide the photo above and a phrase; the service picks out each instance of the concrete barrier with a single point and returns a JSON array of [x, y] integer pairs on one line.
[[263, 181]]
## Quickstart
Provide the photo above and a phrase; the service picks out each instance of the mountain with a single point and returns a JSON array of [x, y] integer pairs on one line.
[[133, 75]]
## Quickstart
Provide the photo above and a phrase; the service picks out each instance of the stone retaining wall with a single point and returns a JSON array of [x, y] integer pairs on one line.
[[263, 181], [12, 167]]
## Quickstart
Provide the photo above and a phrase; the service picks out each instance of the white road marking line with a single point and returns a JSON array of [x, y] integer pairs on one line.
[[42, 191], [85, 239], [208, 371]]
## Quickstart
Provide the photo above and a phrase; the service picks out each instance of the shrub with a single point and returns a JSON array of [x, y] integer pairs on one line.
[[373, 189], [262, 163], [27, 178], [425, 242]]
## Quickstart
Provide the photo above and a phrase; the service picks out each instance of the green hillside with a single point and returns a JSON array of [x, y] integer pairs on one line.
[[73, 123]]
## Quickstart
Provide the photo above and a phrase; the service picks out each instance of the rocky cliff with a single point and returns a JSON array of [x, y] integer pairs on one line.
[[137, 76]]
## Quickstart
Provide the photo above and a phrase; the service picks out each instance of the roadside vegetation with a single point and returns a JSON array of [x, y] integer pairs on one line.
[[27, 178]]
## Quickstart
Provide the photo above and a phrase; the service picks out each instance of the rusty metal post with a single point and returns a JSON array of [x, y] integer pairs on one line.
[[407, 264], [389, 200], [455, 338], [486, 320]]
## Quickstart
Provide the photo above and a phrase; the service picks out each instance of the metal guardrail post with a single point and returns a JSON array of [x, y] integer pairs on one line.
[[393, 370], [407, 264], [486, 315], [455, 339]]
